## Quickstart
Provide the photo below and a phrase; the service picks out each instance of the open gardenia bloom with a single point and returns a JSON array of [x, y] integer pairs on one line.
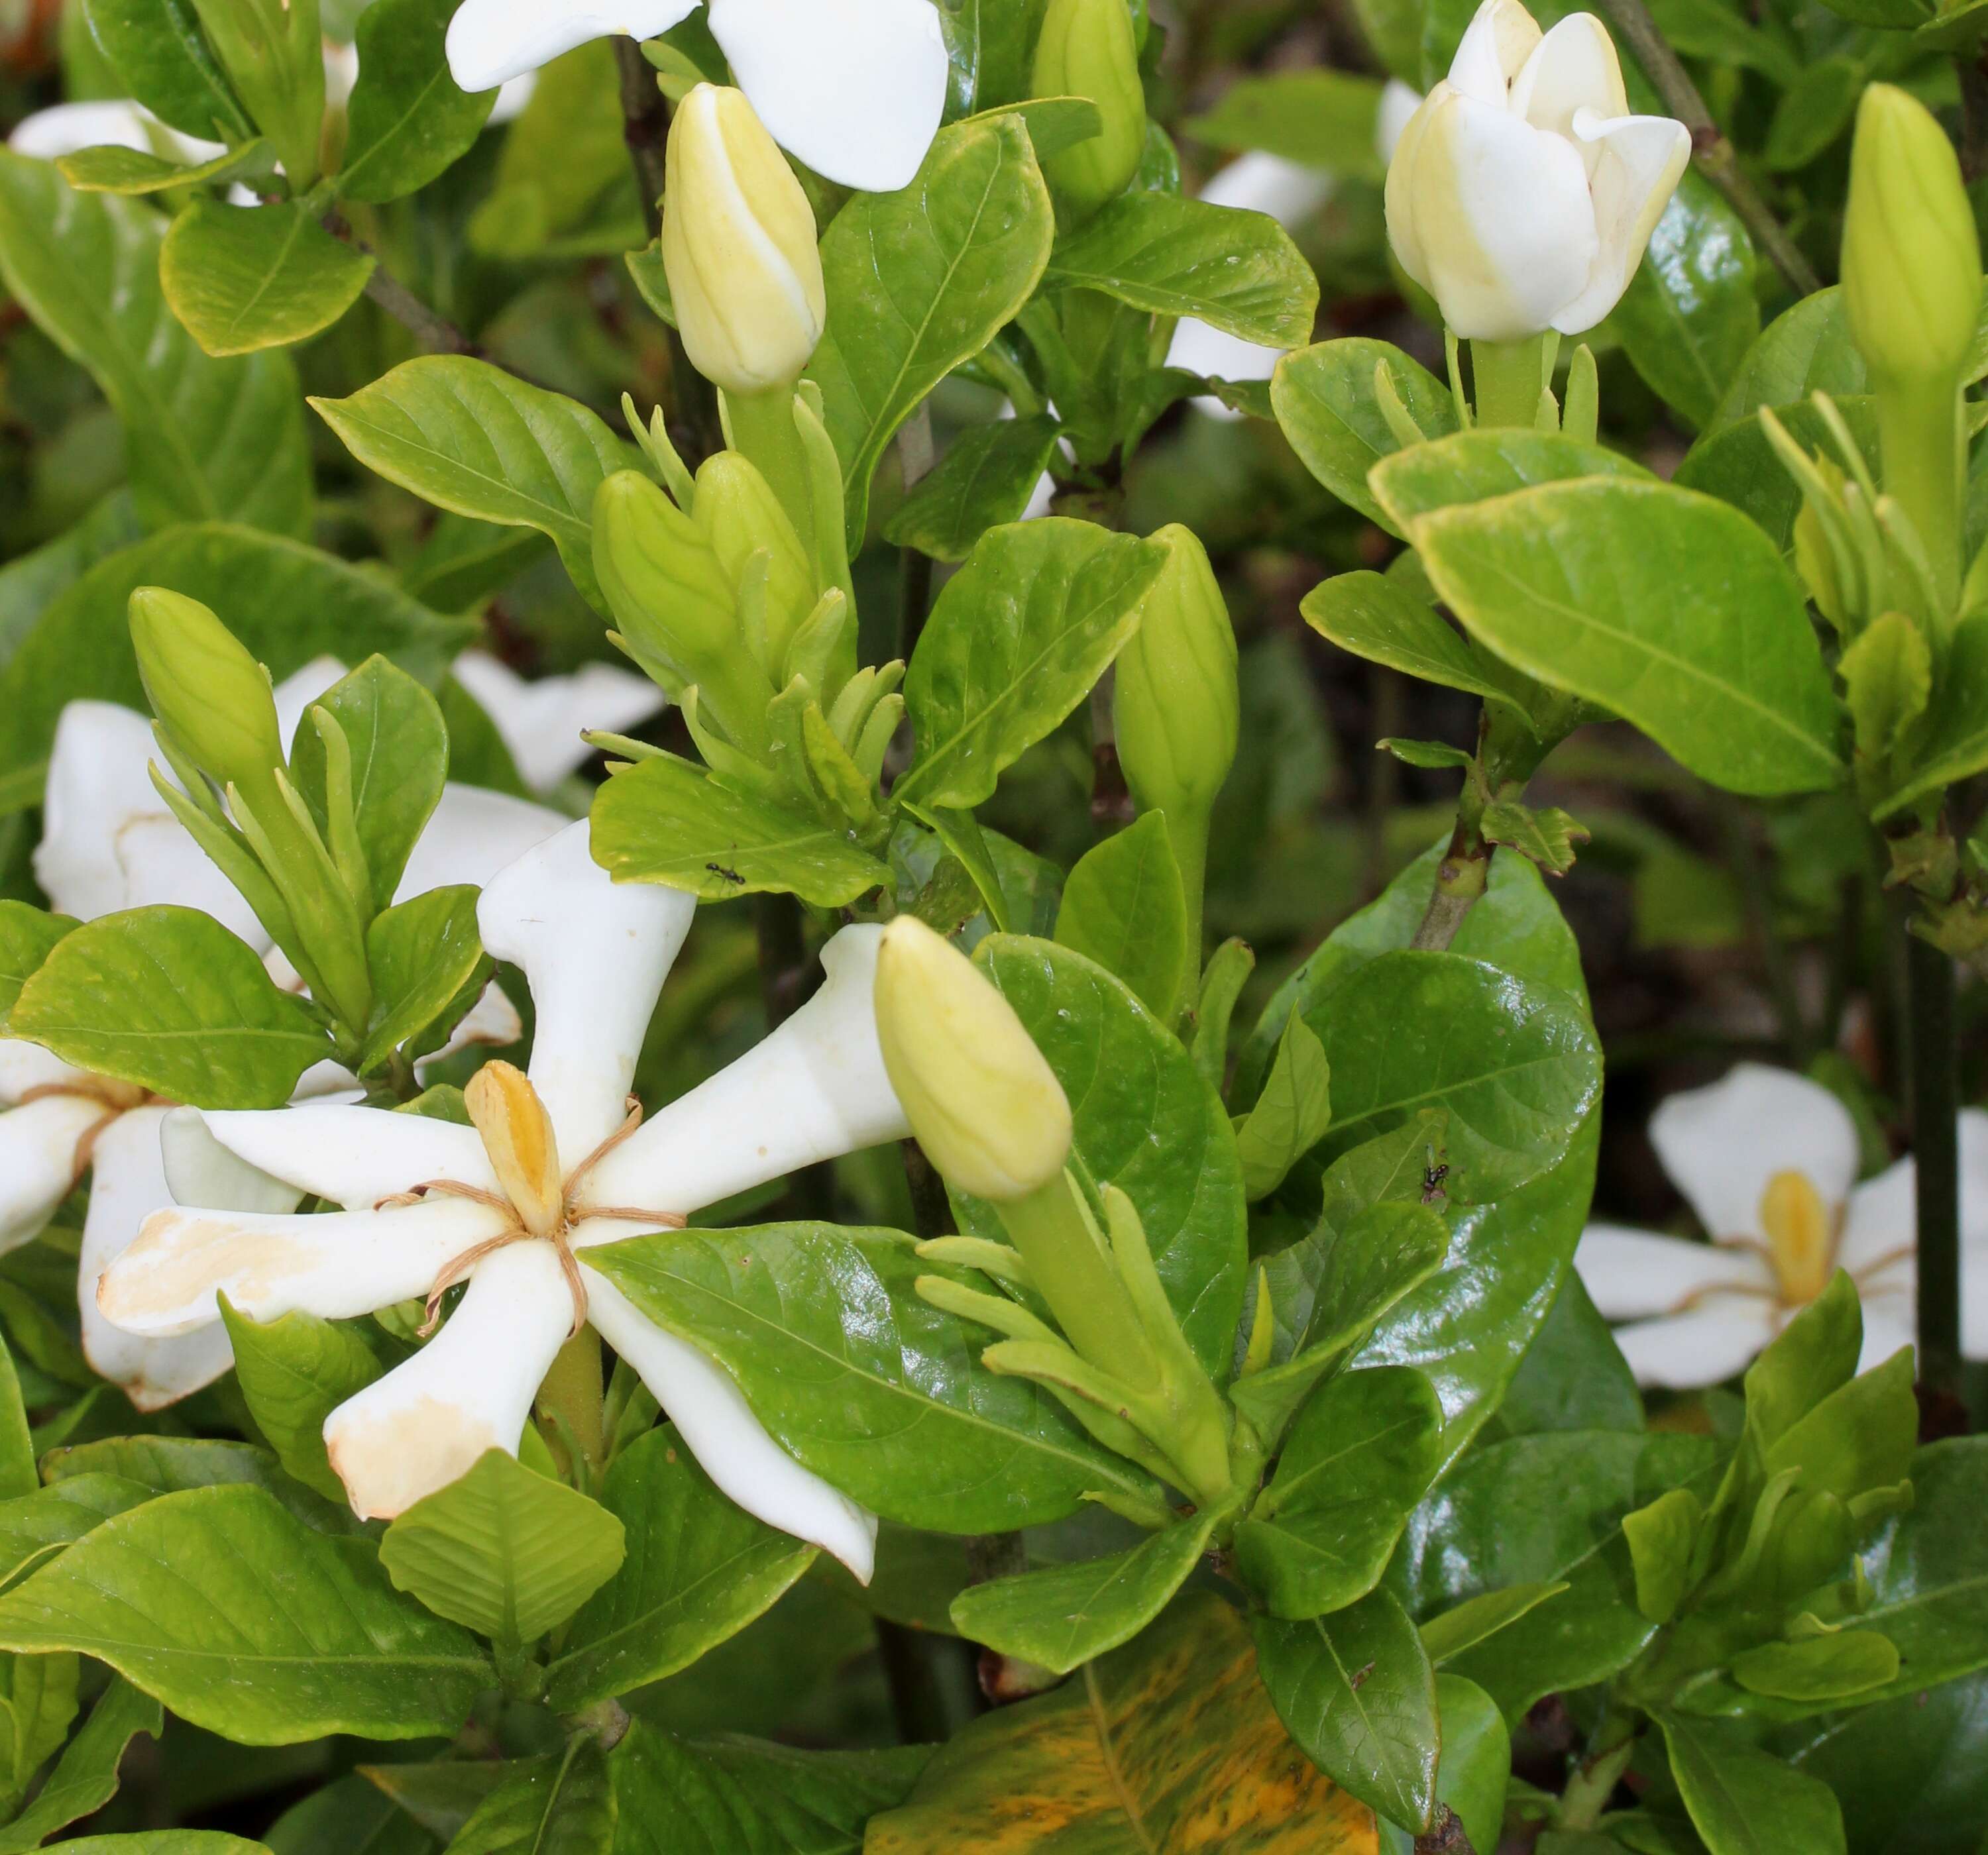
[[109, 843], [1522, 193], [1768, 1160], [556, 1163], [542, 720], [854, 88]]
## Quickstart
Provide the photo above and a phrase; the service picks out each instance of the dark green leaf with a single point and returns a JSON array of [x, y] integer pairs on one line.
[[406, 121], [157, 48], [1930, 1584], [1745, 1803], [1317, 118], [84, 1777], [563, 1803], [986, 478], [1372, 616], [1292, 1113], [1475, 1767], [423, 955]]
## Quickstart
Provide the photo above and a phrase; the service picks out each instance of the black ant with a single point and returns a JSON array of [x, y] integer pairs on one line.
[[731, 876]]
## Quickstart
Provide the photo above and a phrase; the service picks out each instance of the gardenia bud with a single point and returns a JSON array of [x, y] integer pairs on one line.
[[208, 693], [1522, 193], [985, 1106], [1086, 49], [739, 246], [1912, 258]]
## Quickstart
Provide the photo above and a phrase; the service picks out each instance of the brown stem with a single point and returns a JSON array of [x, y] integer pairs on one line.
[[1445, 1835], [1716, 158], [1460, 881], [435, 332]]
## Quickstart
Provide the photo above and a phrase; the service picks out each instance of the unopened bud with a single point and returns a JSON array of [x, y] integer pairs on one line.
[[739, 247], [738, 516], [985, 1106], [517, 1133], [208, 693], [1087, 48], [1911, 257]]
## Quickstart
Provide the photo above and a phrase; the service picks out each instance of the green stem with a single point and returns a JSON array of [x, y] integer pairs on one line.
[[763, 429], [1936, 1153], [1078, 1280], [1925, 469], [1506, 377], [1757, 898], [1187, 834], [1594, 1779]]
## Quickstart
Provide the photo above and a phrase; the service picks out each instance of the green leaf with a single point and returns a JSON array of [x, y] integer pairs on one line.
[[424, 955], [284, 1635], [1063, 1616], [1660, 1537], [921, 280], [561, 1803], [698, 1570], [294, 1372], [503, 1550], [1886, 676], [406, 121], [1291, 1114], [1819, 1670], [1371, 616], [1146, 1120], [241, 279], [1236, 271], [37, 1703], [1804, 350], [1930, 1591], [1325, 400], [1016, 641], [1691, 312], [472, 439], [985, 479], [127, 170], [1547, 836], [17, 1473], [157, 48], [1169, 1743], [349, 1815], [898, 1413], [1317, 118], [35, 1527], [667, 821], [1737, 465], [166, 1465], [1744, 1803], [1954, 744], [161, 1842], [1573, 1375], [1123, 908], [208, 440], [1357, 1461], [1356, 1691], [1812, 112], [1464, 1626], [1708, 647], [439, 1797], [1475, 466], [168, 998], [84, 1777], [1474, 1769]]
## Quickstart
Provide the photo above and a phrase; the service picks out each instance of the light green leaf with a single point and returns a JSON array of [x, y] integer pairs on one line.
[[424, 956], [1236, 271], [244, 277], [1291, 1114], [1742, 1801], [1123, 908], [407, 120], [1371, 616], [1804, 350], [35, 1526], [1475, 466], [1015, 643], [157, 47], [284, 1635], [17, 1473], [506, 1551], [1821, 1670], [667, 821], [84, 1777], [985, 478], [208, 439], [28, 935], [1317, 118], [1954, 746], [561, 1803], [1660, 1537], [166, 1465], [168, 998], [161, 1841], [128, 170], [472, 439], [921, 280], [294, 1373], [698, 1570], [1737, 464], [38, 1699], [1467, 1625]]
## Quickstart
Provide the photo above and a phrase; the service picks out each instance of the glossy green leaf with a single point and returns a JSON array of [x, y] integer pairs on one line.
[[17, 1473], [168, 998], [560, 1803], [294, 1373], [1573, 1375], [922, 279], [1146, 1121], [1708, 647], [1016, 641], [208, 440], [1372, 616], [166, 1464], [1805, 349], [35, 1527], [424, 956], [284, 1635], [1291, 1114], [667, 821], [127, 170], [1357, 1461], [1744, 1803], [157, 48], [1819, 1669], [471, 438], [507, 1551], [1953, 745], [1325, 401], [1123, 908], [1157, 253], [407, 120], [244, 277], [1660, 1537], [698, 1570], [1464, 1626], [84, 1777], [1061, 1616], [1356, 1691], [1931, 1589], [896, 1412], [1474, 1769], [986, 478], [1317, 118]]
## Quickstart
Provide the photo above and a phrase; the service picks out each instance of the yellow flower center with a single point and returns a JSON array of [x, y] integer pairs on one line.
[[1801, 1236], [517, 1133]]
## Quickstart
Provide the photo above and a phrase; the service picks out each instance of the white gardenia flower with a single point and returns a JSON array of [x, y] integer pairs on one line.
[[541, 720], [853, 88], [1522, 192], [1768, 1161], [63, 129], [555, 1165], [109, 843]]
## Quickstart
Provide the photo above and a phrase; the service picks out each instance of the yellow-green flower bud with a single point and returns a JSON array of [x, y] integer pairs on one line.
[[739, 515], [985, 1106], [739, 247], [208, 693], [1087, 49], [1912, 258]]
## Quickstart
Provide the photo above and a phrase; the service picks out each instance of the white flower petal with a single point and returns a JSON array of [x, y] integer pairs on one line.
[[1974, 1300], [493, 1019], [24, 1065], [1720, 1144], [1401, 193], [1973, 1134], [1711, 1343], [813, 1091], [127, 1183], [1888, 1326], [596, 953], [1289, 191], [1573, 67], [354, 1156], [512, 98], [198, 1169], [38, 1146], [854, 88], [1641, 160], [336, 1264], [472, 836], [717, 1424], [111, 122], [341, 72], [467, 1391], [491, 42], [1632, 1274], [1398, 104], [1496, 45], [540, 721], [1880, 1218]]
